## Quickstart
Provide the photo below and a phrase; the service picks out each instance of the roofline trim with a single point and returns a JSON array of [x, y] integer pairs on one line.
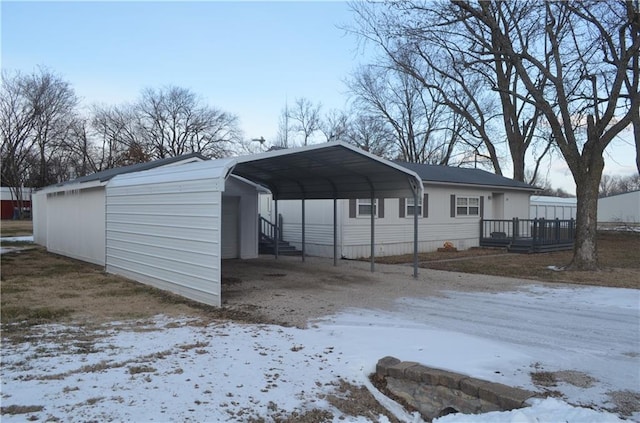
[[505, 187]]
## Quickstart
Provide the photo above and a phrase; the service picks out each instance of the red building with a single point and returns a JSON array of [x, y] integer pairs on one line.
[[9, 204]]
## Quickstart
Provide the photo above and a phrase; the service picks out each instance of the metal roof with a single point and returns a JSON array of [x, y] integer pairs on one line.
[[207, 169], [326, 171], [464, 176], [106, 175]]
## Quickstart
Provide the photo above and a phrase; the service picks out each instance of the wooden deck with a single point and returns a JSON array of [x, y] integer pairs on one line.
[[528, 235]]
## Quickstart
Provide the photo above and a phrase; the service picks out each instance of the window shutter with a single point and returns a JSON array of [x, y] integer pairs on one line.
[[453, 205], [425, 205], [381, 208], [352, 208], [402, 207], [481, 206]]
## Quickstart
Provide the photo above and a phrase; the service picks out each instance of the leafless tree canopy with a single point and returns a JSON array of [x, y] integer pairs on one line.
[[45, 139], [419, 123], [557, 74], [452, 59], [172, 121], [36, 115]]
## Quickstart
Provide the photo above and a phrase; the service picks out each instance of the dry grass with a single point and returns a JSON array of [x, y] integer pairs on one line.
[[618, 258], [16, 228], [40, 287]]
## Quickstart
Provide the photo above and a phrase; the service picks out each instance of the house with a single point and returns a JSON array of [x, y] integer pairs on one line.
[[454, 202], [547, 207], [620, 208], [170, 223], [9, 203]]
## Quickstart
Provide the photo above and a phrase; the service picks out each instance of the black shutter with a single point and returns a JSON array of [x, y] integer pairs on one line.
[[453, 205], [352, 208], [481, 206], [425, 205], [381, 208], [402, 207]]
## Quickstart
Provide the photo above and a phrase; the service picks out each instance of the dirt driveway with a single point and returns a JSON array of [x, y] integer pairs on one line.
[[289, 291]]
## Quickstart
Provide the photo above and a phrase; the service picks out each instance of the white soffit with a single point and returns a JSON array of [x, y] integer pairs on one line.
[[326, 171]]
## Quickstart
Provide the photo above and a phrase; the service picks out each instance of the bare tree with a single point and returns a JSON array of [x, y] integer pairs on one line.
[[424, 40], [415, 117], [172, 121], [17, 119], [372, 134], [36, 113], [613, 185], [335, 125], [305, 118], [115, 130], [581, 74]]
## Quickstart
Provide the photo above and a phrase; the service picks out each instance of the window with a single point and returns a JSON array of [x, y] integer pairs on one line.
[[364, 207], [467, 206], [411, 208]]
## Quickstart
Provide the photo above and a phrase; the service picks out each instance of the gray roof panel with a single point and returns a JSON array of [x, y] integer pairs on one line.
[[464, 176], [106, 175]]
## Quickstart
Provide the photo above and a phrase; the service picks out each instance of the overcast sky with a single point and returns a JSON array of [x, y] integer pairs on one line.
[[247, 58]]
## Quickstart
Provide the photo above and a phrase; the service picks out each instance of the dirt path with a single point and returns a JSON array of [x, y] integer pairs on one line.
[[289, 291]]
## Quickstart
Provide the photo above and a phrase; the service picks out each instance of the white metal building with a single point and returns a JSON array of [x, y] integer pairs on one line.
[[546, 207], [621, 208], [170, 223]]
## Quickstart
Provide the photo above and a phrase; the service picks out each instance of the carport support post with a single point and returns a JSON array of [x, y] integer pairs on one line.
[[415, 232], [303, 225], [277, 230], [373, 236], [335, 232]]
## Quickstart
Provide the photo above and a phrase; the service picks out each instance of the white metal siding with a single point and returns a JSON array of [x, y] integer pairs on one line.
[[74, 224], [39, 218], [167, 234], [620, 208], [230, 211], [545, 207]]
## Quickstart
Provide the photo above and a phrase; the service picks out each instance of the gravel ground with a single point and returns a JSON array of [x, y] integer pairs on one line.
[[288, 291]]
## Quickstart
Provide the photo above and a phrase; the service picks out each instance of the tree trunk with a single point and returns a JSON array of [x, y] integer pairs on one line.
[[636, 135], [585, 251]]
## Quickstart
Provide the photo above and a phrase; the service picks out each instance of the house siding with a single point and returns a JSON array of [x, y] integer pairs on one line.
[[394, 232]]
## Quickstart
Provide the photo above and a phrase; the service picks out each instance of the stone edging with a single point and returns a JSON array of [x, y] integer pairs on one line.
[[435, 392]]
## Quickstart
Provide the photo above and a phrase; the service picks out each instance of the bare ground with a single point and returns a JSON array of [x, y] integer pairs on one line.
[[39, 287]]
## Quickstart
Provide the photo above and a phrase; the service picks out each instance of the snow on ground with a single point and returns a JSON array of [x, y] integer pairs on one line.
[[182, 370], [5, 250], [17, 239]]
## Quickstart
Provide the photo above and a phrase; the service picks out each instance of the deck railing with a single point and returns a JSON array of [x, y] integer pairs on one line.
[[268, 229], [539, 233]]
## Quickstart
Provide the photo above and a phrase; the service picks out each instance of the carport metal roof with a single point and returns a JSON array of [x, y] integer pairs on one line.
[[332, 170]]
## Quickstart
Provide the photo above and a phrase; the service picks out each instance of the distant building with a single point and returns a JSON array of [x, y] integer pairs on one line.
[[546, 207], [9, 203], [620, 208]]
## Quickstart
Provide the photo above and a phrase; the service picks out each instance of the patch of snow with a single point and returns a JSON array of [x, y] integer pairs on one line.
[[17, 239], [556, 268], [541, 410], [172, 369]]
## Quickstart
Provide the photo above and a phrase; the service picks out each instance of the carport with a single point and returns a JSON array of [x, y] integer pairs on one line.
[[331, 171], [161, 223]]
